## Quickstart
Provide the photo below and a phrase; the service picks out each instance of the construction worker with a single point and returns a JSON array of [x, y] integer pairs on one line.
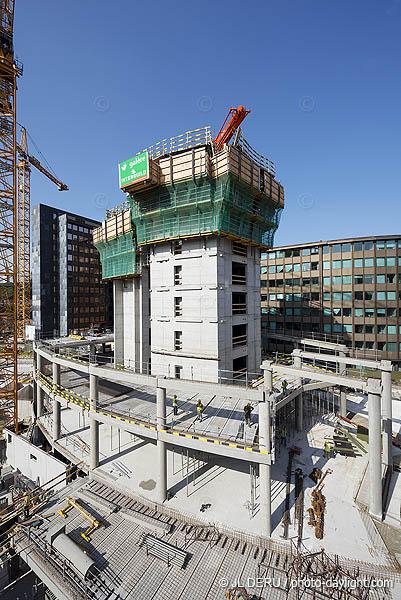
[[175, 405], [199, 410], [284, 436], [27, 500], [248, 408], [327, 449], [284, 386]]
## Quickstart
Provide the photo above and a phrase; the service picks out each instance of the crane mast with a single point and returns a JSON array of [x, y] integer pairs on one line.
[[23, 237], [9, 71]]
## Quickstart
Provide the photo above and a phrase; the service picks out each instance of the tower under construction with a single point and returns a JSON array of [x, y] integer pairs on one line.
[[184, 253]]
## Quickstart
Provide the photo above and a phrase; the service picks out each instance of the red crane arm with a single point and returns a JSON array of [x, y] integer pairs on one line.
[[234, 117]]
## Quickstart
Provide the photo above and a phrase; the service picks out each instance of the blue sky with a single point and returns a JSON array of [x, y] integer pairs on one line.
[[104, 80]]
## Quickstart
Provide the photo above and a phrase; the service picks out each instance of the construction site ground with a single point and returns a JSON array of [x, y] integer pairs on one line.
[[224, 485]]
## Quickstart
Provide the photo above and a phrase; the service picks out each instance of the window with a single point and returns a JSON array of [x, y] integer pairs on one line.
[[315, 281], [336, 248], [288, 268], [381, 329], [358, 246], [358, 279], [177, 340], [391, 347], [272, 255], [380, 262], [336, 312], [326, 296], [347, 312], [391, 312], [177, 371], [347, 280], [390, 244], [314, 250], [347, 327], [288, 253], [272, 297], [279, 268], [272, 268], [390, 295], [327, 327], [347, 264], [326, 249], [238, 276], [296, 267], [289, 312], [314, 266], [279, 254], [358, 295], [263, 297], [368, 295], [305, 251], [347, 296], [346, 247], [178, 306], [337, 280], [177, 247], [390, 277], [392, 329], [369, 329], [305, 266], [263, 255], [380, 245], [358, 263], [380, 295], [390, 261], [336, 264], [239, 335], [368, 246], [326, 264], [369, 312], [239, 303], [337, 296], [326, 280], [263, 270], [177, 275], [381, 312], [368, 262]]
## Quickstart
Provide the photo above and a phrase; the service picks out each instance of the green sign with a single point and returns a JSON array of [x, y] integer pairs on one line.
[[134, 170]]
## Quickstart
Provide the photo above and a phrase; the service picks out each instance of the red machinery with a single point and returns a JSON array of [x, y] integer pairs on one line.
[[235, 116]]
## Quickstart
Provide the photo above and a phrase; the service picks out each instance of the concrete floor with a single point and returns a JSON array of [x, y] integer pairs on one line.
[[226, 485]]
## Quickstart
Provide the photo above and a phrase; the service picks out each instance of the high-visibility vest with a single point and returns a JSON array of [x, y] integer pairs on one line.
[[327, 447], [175, 401], [199, 407], [283, 432]]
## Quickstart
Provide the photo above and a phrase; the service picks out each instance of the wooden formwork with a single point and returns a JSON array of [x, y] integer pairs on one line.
[[116, 225]]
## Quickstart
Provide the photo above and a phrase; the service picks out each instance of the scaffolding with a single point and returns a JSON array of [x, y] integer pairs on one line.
[[222, 206]]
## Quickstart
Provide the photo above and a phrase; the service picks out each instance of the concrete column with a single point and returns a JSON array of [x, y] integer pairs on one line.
[[56, 405], [267, 368], [39, 391], [343, 402], [299, 412], [297, 364], [161, 446], [387, 408], [93, 424], [375, 462], [264, 470], [92, 353]]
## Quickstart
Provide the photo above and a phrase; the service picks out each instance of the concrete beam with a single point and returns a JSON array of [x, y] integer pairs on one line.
[[94, 425], [39, 391], [316, 374], [264, 470], [161, 445], [331, 358]]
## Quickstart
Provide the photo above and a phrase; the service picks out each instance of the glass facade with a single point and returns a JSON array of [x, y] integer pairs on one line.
[[348, 291]]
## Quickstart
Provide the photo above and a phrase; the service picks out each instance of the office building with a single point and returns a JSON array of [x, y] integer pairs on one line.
[[68, 293], [347, 289]]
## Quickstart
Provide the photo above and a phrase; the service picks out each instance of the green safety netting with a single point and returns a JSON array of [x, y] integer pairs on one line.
[[118, 256], [205, 205]]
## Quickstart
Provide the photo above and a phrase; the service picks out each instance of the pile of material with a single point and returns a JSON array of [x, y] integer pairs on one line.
[[316, 513]]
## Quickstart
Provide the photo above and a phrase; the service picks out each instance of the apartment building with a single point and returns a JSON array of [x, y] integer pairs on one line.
[[67, 289]]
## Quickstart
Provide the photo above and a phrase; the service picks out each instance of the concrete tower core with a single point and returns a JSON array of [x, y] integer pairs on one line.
[[184, 254]]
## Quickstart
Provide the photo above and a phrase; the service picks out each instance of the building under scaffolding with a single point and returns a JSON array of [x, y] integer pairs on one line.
[[184, 253]]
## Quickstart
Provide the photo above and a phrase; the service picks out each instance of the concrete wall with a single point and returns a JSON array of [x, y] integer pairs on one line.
[[32, 461]]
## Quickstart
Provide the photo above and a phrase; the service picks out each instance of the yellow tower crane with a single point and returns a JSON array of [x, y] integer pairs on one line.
[[10, 69], [23, 229]]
